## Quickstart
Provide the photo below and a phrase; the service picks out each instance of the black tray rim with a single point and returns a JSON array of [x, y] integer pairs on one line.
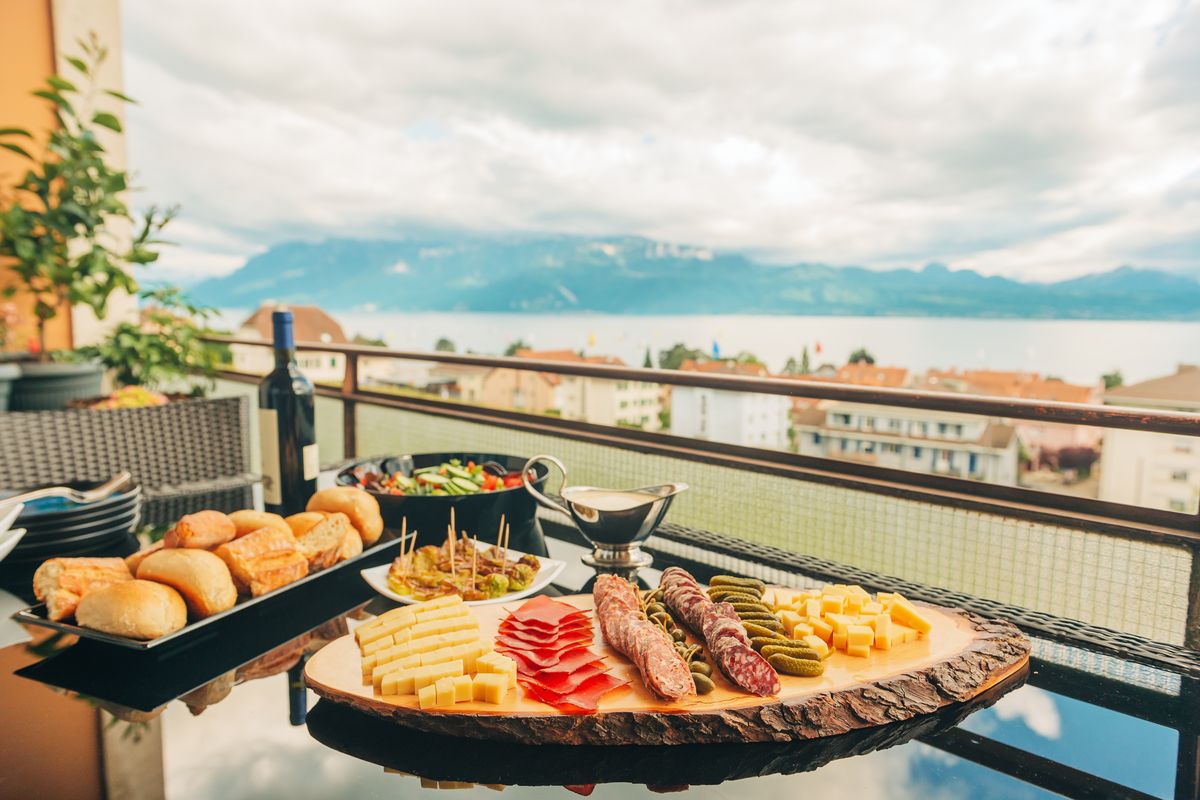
[[35, 614]]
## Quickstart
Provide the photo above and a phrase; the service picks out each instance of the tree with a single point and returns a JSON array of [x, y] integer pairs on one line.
[[861, 356], [1113, 379], [646, 362], [805, 369], [444, 345], [679, 352], [513, 347], [58, 229], [791, 367], [745, 357], [373, 341]]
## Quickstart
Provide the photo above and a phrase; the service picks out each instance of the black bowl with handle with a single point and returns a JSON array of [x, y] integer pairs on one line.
[[478, 514]]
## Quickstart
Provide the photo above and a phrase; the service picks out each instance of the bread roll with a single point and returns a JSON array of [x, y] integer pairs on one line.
[[322, 543], [201, 577], [132, 561], [137, 609], [351, 544], [249, 520], [301, 523], [358, 505], [61, 582], [203, 530]]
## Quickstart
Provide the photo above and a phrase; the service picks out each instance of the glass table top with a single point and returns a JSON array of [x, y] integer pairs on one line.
[[81, 720]]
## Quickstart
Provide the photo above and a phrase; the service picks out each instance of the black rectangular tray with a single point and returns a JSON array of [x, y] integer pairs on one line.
[[36, 615]]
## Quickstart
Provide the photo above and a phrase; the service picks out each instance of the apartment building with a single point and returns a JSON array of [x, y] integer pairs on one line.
[[960, 445], [1154, 469], [755, 420], [600, 400], [310, 324]]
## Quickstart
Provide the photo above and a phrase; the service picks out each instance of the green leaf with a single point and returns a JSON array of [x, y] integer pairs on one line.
[[61, 84], [107, 120], [54, 97], [78, 63], [16, 132], [120, 96], [16, 148]]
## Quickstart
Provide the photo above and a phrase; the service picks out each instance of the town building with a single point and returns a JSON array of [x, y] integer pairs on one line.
[[635, 404], [754, 420], [310, 324], [1154, 469]]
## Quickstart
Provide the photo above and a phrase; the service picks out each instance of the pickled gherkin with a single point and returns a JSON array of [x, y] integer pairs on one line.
[[731, 580], [755, 629], [794, 652], [789, 665]]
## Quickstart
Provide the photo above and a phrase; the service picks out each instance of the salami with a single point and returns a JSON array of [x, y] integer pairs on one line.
[[722, 631], [647, 645]]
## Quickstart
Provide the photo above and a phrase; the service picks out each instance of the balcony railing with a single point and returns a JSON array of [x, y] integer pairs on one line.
[[1164, 527]]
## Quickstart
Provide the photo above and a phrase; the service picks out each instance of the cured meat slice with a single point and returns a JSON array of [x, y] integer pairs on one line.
[[647, 645], [582, 700], [722, 631], [565, 682], [543, 657], [508, 626], [546, 611], [560, 662], [564, 642]]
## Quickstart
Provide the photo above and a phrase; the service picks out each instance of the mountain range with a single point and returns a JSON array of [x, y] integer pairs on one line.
[[630, 275]]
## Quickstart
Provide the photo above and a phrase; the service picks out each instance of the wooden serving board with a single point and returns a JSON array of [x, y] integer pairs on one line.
[[962, 656]]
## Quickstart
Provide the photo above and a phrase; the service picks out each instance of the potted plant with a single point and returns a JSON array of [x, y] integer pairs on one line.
[[162, 352], [60, 228]]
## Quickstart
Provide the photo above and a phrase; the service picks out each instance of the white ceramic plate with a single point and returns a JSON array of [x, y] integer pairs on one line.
[[8, 515], [9, 540], [377, 577]]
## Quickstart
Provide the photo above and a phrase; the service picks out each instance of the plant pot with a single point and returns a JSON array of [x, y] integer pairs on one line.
[[50, 386], [9, 373]]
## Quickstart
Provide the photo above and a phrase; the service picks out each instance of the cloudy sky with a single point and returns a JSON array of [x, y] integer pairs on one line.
[[1032, 139]]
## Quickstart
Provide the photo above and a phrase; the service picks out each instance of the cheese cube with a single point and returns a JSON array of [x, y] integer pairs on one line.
[[398, 682], [427, 697], [384, 618], [872, 607], [859, 650], [437, 602], [463, 691], [879, 622], [905, 613], [839, 641], [445, 691], [832, 603], [885, 634], [424, 676], [490, 687], [853, 603], [812, 607], [439, 626], [841, 621], [800, 630], [859, 636], [790, 619], [450, 612], [903, 633], [821, 628], [494, 663], [818, 644], [378, 644]]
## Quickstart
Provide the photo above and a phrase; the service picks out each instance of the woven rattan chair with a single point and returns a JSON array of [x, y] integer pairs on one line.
[[187, 456]]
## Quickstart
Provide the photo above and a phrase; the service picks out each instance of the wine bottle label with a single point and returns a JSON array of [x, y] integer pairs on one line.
[[268, 432], [312, 462]]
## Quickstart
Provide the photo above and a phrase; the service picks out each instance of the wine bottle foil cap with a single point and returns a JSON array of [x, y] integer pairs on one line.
[[281, 321]]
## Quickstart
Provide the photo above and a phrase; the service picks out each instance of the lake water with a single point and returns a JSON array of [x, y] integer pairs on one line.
[[1079, 351]]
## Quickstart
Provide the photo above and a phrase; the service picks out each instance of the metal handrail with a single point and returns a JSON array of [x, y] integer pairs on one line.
[[1172, 422]]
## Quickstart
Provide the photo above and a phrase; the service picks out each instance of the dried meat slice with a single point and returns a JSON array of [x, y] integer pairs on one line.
[[565, 682], [564, 642], [569, 661], [584, 699], [543, 657], [647, 645], [542, 609], [574, 624]]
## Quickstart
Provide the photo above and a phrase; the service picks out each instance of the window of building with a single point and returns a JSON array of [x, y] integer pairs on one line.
[[869, 447], [917, 452], [1178, 505], [1180, 475], [816, 438], [942, 427], [841, 419]]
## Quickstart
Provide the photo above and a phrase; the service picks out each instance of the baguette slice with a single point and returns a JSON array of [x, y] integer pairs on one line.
[[268, 573], [264, 542], [62, 582], [322, 543]]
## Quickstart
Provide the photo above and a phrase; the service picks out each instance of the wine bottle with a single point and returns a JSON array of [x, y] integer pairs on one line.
[[287, 429]]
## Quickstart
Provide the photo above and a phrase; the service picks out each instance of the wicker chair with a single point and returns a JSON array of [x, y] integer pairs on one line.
[[187, 455]]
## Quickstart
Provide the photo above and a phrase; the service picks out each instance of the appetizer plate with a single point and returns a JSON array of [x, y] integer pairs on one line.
[[377, 577], [36, 615]]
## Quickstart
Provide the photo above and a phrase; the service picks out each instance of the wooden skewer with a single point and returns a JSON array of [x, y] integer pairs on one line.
[[500, 533], [403, 544], [474, 556], [504, 562]]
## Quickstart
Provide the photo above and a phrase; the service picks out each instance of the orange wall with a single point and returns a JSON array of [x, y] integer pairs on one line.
[[26, 58]]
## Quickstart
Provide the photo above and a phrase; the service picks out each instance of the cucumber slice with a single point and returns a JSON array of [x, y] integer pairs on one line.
[[433, 479], [457, 472], [465, 484]]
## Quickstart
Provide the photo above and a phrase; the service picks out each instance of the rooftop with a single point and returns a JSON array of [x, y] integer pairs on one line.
[[1183, 387], [310, 324]]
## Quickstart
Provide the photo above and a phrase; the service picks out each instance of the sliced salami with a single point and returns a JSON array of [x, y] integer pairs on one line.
[[647, 645]]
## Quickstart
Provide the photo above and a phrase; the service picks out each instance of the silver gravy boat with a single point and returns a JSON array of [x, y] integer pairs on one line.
[[614, 522]]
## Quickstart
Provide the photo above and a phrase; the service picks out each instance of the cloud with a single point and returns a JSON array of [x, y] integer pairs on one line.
[[1023, 139]]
